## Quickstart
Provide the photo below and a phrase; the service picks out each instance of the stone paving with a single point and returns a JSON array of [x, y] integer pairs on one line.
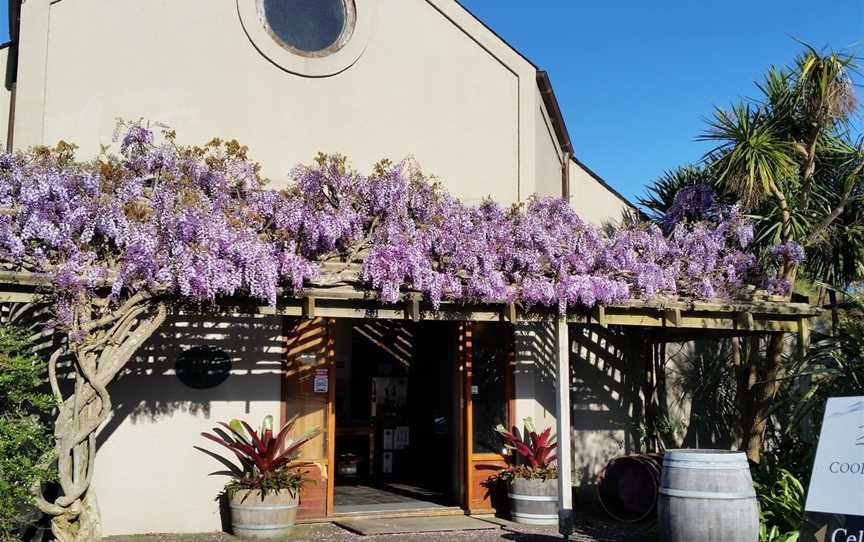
[[588, 529]]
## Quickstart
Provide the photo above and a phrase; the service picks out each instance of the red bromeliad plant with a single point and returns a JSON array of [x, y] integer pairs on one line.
[[268, 460], [533, 455]]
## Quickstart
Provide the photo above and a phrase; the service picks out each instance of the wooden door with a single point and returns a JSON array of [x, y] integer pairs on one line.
[[486, 349], [308, 393]]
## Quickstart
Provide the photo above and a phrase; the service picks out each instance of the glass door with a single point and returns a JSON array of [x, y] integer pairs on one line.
[[487, 362]]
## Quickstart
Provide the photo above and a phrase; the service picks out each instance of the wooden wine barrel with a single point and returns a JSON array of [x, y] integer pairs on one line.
[[707, 495], [272, 517], [534, 502], [627, 487]]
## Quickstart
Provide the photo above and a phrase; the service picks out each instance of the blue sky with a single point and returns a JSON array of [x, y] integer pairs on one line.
[[636, 79]]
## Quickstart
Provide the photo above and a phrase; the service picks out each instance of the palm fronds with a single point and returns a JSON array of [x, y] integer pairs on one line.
[[752, 154]]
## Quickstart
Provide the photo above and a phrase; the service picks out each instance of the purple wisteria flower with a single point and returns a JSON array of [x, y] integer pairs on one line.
[[788, 252], [696, 202], [199, 222]]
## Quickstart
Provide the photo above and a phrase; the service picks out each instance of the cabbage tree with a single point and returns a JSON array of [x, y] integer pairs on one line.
[[789, 158]]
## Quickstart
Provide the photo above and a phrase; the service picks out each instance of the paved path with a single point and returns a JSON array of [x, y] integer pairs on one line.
[[587, 530]]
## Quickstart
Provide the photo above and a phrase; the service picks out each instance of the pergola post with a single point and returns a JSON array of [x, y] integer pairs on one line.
[[562, 417]]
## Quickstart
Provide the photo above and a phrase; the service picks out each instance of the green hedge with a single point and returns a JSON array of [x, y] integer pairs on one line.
[[25, 434]]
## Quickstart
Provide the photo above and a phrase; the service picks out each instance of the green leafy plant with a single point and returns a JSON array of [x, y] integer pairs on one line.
[[267, 460], [781, 498], [834, 366], [533, 454], [25, 438]]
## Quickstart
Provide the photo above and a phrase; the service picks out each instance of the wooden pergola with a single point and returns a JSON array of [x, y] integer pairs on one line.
[[688, 319]]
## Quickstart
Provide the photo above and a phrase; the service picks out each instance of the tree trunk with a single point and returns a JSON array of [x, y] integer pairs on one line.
[[761, 385]]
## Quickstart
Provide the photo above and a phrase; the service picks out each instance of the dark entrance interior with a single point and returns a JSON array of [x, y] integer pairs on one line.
[[397, 425]]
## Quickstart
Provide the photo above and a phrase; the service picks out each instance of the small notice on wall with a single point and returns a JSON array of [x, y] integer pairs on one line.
[[387, 438], [321, 383], [401, 437], [835, 499]]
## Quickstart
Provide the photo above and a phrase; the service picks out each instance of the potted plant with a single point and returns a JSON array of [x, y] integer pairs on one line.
[[264, 489], [531, 476]]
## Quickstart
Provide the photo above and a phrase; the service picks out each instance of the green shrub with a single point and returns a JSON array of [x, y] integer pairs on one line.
[[25, 435], [781, 501], [834, 366]]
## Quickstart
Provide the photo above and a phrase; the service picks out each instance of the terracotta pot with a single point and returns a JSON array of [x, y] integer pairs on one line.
[[270, 517], [534, 502]]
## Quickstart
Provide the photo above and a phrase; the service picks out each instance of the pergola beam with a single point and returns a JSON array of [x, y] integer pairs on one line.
[[343, 301]]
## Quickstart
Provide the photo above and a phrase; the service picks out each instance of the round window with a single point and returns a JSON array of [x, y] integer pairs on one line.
[[203, 367], [309, 27]]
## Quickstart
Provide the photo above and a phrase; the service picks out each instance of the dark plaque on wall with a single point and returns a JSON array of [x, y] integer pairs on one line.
[[202, 367]]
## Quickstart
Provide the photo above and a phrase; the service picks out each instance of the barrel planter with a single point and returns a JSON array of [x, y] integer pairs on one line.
[[707, 495], [627, 487], [534, 502], [271, 517]]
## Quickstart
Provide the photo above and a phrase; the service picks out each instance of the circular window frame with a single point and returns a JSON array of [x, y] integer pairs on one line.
[[341, 40], [360, 21]]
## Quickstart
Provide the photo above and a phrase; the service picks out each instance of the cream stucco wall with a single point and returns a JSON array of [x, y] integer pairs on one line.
[[549, 154], [149, 478], [534, 373], [5, 98], [432, 83], [592, 201], [602, 394]]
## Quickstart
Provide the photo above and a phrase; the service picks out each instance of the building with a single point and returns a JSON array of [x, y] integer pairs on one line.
[[413, 404]]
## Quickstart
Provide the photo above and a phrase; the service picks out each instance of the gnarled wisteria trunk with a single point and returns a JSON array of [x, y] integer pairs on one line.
[[92, 357]]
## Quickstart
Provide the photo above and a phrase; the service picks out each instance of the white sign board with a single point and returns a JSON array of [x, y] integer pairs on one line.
[[387, 439], [835, 499]]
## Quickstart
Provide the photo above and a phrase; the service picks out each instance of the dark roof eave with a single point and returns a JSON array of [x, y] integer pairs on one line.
[[544, 84]]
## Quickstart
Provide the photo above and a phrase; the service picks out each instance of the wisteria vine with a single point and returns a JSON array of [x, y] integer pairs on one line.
[[199, 222]]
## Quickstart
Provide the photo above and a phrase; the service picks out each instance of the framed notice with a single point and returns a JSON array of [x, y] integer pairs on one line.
[[401, 438], [835, 500], [321, 382]]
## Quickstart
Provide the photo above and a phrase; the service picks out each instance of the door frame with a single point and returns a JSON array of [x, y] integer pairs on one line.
[[470, 475], [297, 377], [476, 466]]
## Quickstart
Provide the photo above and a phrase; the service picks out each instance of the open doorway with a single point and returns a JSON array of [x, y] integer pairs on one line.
[[397, 442]]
